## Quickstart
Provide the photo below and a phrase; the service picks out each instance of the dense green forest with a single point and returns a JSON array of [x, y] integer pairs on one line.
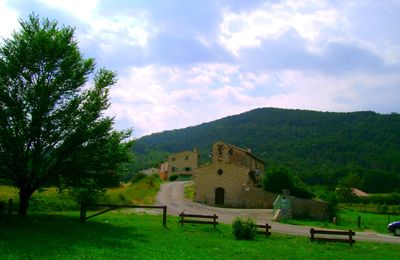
[[325, 148]]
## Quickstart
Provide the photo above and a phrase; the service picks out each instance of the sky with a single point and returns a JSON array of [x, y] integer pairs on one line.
[[182, 63]]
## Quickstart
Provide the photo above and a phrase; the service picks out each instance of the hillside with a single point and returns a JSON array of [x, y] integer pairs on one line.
[[319, 147]]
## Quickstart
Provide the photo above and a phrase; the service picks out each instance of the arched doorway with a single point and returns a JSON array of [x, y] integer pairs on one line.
[[219, 196]]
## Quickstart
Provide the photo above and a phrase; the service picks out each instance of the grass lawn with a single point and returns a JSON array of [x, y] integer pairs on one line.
[[118, 235], [348, 219], [189, 191], [142, 192]]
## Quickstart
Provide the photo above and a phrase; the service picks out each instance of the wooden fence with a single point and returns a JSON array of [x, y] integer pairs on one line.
[[194, 219], [110, 207], [348, 233], [264, 229]]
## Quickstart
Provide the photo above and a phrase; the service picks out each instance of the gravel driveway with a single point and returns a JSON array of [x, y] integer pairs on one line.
[[171, 194]]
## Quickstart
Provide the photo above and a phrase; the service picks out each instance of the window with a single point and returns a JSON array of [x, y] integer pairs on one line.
[[188, 169], [220, 172], [220, 149], [173, 169], [173, 158], [187, 157]]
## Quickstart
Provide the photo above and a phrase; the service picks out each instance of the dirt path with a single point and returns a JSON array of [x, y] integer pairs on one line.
[[171, 195]]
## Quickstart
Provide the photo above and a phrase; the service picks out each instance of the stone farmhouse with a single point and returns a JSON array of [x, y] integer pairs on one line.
[[181, 163], [233, 178]]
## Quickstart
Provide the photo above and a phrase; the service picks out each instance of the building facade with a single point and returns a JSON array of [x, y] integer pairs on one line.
[[182, 163], [233, 178]]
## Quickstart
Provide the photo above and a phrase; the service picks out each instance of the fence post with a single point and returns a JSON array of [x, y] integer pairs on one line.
[[267, 229], [83, 212], [10, 206], [165, 216], [312, 235], [181, 218], [215, 220], [351, 237]]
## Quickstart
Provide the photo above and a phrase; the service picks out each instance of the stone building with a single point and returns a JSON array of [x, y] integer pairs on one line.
[[233, 178], [182, 163], [150, 171]]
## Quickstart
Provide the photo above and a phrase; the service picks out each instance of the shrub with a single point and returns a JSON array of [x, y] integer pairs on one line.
[[384, 209], [388, 199], [276, 179], [173, 177], [243, 230], [153, 180], [2, 208], [332, 201], [138, 177]]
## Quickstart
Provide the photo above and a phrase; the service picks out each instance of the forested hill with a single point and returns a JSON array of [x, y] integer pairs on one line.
[[317, 146]]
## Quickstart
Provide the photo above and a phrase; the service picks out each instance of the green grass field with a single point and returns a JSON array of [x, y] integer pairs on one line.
[[116, 235], [142, 192], [348, 219], [189, 191]]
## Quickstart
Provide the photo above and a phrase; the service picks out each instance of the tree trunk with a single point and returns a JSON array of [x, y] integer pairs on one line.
[[24, 196]]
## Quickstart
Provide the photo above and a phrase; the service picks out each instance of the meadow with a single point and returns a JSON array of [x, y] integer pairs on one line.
[[347, 218], [52, 230], [128, 235], [140, 192]]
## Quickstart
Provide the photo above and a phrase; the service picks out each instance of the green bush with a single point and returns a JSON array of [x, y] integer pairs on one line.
[[173, 177], [243, 230], [138, 177], [2, 208], [276, 179], [388, 199]]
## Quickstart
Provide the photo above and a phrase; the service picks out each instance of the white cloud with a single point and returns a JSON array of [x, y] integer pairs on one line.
[[109, 32], [310, 19], [8, 20], [319, 23], [149, 100], [156, 98], [79, 8], [355, 91]]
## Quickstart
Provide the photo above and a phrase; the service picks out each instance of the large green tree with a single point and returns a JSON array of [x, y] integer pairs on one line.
[[53, 130]]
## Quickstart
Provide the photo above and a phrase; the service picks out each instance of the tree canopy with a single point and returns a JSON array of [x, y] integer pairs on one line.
[[53, 130]]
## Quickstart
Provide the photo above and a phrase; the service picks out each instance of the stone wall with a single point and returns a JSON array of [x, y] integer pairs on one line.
[[306, 208], [236, 183], [220, 175], [227, 153], [184, 162]]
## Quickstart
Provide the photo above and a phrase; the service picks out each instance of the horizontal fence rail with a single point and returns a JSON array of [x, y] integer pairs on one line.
[[194, 219], [348, 233], [83, 216]]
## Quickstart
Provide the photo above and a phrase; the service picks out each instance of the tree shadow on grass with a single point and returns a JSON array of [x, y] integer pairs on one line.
[[52, 235]]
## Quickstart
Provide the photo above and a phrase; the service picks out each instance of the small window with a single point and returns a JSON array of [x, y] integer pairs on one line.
[[173, 169], [220, 172], [173, 158], [220, 149], [188, 169], [186, 157]]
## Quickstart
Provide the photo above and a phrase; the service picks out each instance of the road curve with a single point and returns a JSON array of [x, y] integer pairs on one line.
[[171, 195]]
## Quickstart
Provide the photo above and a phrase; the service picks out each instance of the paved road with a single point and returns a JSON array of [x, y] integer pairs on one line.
[[171, 194]]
